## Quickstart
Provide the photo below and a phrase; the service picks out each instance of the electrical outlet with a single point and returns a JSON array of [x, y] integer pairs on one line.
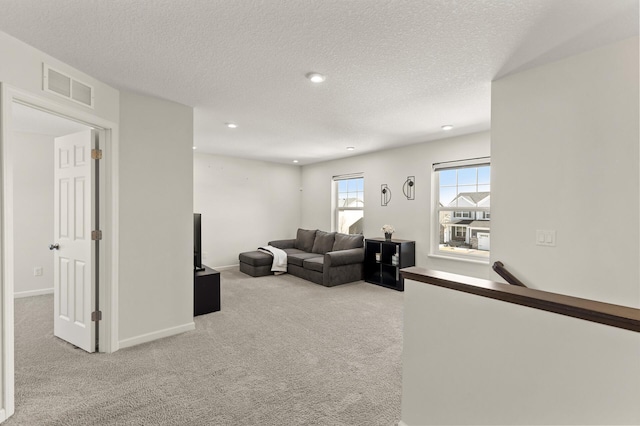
[[37, 271], [546, 238]]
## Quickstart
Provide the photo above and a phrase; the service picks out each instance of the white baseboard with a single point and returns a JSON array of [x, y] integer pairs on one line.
[[149, 337], [20, 294], [401, 423], [224, 268]]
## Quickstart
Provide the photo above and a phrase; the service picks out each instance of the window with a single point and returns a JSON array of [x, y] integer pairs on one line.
[[349, 204], [463, 202], [460, 231], [461, 215]]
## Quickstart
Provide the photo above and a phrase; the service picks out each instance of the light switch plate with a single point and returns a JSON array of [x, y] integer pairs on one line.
[[546, 238]]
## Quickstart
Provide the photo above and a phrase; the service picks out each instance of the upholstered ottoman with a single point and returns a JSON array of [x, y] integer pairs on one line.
[[256, 263]]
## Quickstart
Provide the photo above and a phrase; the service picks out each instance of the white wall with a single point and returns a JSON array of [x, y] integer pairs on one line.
[[156, 225], [155, 195], [244, 205], [565, 157], [411, 219], [22, 68], [564, 149], [33, 213], [470, 360]]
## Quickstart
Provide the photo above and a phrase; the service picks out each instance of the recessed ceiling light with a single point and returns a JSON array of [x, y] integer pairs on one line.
[[231, 125], [316, 77], [195, 147], [295, 161], [447, 127], [351, 148]]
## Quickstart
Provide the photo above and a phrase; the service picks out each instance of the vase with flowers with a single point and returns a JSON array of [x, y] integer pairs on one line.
[[388, 232]]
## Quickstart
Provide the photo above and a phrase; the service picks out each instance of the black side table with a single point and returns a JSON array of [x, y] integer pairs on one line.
[[206, 291], [383, 260]]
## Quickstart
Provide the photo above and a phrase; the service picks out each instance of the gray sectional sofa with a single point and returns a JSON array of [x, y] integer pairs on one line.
[[326, 258]]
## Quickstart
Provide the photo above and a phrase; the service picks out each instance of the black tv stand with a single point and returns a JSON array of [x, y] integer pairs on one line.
[[200, 269], [206, 291]]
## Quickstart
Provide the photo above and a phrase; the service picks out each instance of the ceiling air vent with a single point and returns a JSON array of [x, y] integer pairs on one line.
[[53, 81]]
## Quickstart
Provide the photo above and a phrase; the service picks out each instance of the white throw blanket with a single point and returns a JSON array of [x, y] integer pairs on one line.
[[279, 265]]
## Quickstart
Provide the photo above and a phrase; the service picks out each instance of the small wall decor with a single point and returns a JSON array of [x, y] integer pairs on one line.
[[385, 194], [409, 188]]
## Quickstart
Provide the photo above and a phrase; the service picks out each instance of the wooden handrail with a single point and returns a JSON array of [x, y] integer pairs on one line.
[[590, 310], [508, 276]]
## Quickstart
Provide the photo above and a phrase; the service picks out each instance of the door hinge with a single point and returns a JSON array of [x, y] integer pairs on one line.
[[96, 235], [96, 154], [96, 316]]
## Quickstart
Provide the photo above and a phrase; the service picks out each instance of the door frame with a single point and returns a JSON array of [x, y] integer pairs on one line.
[[108, 205]]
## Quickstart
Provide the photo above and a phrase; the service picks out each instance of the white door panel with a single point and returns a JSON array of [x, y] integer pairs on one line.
[[74, 281]]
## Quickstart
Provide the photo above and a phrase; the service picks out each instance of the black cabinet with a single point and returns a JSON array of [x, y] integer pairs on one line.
[[383, 260], [206, 291]]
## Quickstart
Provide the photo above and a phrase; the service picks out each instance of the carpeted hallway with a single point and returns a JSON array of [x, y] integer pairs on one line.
[[282, 351]]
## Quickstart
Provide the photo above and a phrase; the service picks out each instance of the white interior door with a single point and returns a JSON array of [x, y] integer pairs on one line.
[[73, 248]]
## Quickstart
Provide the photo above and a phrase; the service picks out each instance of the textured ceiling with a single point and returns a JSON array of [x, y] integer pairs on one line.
[[397, 70]]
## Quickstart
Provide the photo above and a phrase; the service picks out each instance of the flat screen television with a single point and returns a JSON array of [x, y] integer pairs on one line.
[[197, 242]]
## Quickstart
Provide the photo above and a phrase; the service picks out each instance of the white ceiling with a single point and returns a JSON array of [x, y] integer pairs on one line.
[[397, 70]]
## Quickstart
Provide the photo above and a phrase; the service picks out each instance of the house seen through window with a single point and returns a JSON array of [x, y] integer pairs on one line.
[[349, 204], [463, 208]]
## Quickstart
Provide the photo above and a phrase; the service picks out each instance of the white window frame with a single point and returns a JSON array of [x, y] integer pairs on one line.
[[465, 214], [472, 256], [334, 199]]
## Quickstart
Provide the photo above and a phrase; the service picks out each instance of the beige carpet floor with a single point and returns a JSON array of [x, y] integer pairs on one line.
[[282, 351]]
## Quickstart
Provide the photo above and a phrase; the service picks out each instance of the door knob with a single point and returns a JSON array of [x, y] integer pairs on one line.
[[54, 246]]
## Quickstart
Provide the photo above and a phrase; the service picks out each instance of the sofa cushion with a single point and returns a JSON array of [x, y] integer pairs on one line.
[[315, 263], [323, 242], [291, 251], [348, 241], [305, 239], [299, 258]]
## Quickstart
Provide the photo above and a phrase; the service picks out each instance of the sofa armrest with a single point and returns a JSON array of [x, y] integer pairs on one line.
[[283, 244], [344, 257]]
